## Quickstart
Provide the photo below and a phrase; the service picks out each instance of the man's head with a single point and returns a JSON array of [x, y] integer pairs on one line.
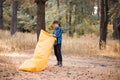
[[55, 24]]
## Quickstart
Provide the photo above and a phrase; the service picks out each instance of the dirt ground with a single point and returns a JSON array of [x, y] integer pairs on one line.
[[75, 68]]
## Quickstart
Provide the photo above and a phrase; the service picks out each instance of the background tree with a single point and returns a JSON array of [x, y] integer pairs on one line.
[[1, 14], [115, 16], [40, 16], [70, 18], [76, 16], [98, 8], [103, 23], [14, 17], [58, 7]]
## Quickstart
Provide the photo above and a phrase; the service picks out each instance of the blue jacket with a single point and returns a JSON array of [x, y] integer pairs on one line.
[[58, 34]]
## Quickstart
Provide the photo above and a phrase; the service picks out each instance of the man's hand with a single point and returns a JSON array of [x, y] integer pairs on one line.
[[52, 35]]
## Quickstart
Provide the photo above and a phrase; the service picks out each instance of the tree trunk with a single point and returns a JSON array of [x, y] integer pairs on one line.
[[98, 9], [58, 7], [116, 28], [67, 16], [91, 5], [116, 25], [103, 24], [76, 11], [40, 16], [1, 14], [70, 19], [14, 17], [75, 18]]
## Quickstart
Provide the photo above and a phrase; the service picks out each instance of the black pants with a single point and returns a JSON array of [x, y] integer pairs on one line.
[[57, 51]]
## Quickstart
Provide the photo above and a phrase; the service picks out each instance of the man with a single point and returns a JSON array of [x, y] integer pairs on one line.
[[57, 45]]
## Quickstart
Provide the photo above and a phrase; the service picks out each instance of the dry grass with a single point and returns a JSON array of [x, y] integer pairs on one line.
[[84, 45], [87, 44], [18, 42]]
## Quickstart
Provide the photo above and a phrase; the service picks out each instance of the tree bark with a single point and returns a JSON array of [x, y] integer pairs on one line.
[[116, 28], [70, 19], [1, 14], [98, 9], [14, 17], [58, 7], [116, 21], [91, 5], [76, 16], [103, 24], [40, 16], [67, 16]]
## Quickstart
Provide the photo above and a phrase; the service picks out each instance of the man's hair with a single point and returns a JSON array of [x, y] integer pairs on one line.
[[55, 22]]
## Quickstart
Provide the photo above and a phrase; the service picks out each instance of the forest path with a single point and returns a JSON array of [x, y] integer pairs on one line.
[[75, 68]]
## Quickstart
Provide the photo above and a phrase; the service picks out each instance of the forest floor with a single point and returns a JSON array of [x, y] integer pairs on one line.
[[75, 68]]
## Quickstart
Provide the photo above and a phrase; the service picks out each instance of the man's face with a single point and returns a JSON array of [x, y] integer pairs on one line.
[[55, 25]]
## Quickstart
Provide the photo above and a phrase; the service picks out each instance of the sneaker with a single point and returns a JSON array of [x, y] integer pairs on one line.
[[60, 64]]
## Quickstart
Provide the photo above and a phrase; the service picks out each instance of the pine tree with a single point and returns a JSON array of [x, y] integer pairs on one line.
[[14, 17], [1, 14], [40, 16], [103, 23]]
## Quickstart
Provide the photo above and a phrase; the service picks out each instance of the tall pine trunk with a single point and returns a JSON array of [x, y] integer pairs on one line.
[[116, 28], [70, 19], [66, 16], [98, 9], [1, 14], [58, 7], [40, 16], [103, 24], [14, 17], [116, 23]]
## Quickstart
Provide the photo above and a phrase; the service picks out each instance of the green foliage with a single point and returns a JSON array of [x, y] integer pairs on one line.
[[86, 28], [83, 17], [115, 11], [26, 17], [6, 17], [26, 22]]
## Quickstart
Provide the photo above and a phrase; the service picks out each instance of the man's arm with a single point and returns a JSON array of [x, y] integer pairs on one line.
[[58, 33]]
